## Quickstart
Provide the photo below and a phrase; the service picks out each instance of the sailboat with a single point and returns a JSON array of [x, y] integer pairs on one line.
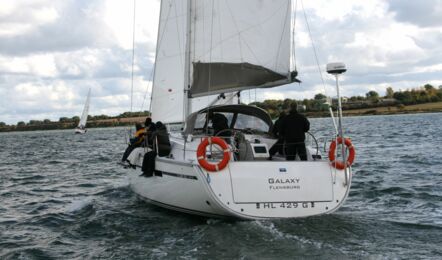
[[81, 128], [208, 52]]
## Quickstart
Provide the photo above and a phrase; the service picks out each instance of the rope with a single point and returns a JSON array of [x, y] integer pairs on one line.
[[236, 26], [282, 35], [313, 44], [147, 90]]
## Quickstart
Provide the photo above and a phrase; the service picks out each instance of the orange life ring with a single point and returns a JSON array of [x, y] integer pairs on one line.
[[201, 154], [331, 153]]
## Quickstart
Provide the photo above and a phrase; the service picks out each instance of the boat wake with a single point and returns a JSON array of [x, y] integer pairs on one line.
[[80, 204]]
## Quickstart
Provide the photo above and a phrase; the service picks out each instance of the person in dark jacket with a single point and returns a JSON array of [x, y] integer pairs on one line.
[[150, 129], [219, 124], [161, 147], [161, 140], [293, 128], [278, 146]]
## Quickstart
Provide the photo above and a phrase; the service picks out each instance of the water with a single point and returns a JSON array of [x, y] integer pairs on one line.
[[63, 196]]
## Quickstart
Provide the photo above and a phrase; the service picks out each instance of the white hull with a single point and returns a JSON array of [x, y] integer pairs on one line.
[[245, 190], [80, 131]]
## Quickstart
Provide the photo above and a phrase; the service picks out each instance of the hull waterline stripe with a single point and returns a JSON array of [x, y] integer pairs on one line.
[[179, 175]]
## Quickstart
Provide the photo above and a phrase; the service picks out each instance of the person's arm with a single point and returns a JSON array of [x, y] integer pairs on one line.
[[306, 125], [281, 127]]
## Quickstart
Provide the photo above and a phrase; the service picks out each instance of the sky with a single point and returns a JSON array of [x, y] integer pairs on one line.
[[52, 52]]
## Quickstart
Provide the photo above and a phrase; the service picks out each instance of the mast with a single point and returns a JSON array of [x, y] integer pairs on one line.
[[187, 101]]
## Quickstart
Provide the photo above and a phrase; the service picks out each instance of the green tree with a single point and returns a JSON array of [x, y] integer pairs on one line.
[[2, 124], [429, 87], [372, 96], [320, 96], [21, 123], [389, 92], [35, 122], [47, 121]]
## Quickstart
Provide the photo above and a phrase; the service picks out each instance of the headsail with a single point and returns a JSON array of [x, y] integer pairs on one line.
[[168, 95], [84, 115], [218, 46]]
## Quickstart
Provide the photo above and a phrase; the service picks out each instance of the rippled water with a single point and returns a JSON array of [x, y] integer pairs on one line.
[[63, 196]]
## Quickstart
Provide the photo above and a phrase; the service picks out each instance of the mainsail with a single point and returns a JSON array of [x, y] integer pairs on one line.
[[218, 46], [83, 119]]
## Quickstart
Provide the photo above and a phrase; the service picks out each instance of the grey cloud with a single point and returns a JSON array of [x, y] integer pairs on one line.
[[333, 38], [74, 29], [426, 13], [429, 40]]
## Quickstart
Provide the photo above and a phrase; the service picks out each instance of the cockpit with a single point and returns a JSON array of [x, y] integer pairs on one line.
[[239, 118], [247, 129]]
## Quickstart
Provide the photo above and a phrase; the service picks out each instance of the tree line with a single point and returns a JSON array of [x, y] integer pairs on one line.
[[372, 99], [71, 122]]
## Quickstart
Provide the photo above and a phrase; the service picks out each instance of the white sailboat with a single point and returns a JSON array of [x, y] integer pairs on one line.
[[81, 128], [207, 53]]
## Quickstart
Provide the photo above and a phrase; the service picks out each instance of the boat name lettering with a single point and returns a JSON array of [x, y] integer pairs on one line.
[[285, 205], [283, 181]]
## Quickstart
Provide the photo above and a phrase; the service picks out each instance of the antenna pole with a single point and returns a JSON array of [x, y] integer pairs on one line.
[[336, 69], [341, 131]]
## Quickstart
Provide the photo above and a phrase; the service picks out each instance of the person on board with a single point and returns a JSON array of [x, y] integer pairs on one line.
[[220, 124], [161, 140], [150, 129], [276, 131], [293, 128], [161, 147], [134, 142]]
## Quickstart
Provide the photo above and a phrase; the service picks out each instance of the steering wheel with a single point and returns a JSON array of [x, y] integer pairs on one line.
[[236, 135]]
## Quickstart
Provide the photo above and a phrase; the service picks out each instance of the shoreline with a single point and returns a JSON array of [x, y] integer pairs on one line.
[[130, 121]]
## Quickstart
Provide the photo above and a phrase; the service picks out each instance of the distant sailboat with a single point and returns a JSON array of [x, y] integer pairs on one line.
[[81, 128]]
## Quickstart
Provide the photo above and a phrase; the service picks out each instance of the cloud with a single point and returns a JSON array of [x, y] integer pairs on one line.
[[72, 25], [421, 13], [52, 52], [70, 43]]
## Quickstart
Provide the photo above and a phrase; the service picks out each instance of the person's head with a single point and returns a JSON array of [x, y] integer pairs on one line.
[[159, 124], [294, 108], [138, 126], [148, 121]]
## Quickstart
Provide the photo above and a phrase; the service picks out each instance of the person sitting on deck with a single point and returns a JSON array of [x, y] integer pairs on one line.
[[220, 124], [150, 129], [134, 142], [161, 147], [161, 140]]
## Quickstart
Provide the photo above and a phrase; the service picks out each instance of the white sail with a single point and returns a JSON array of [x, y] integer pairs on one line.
[[84, 115], [239, 45], [217, 46], [168, 95]]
